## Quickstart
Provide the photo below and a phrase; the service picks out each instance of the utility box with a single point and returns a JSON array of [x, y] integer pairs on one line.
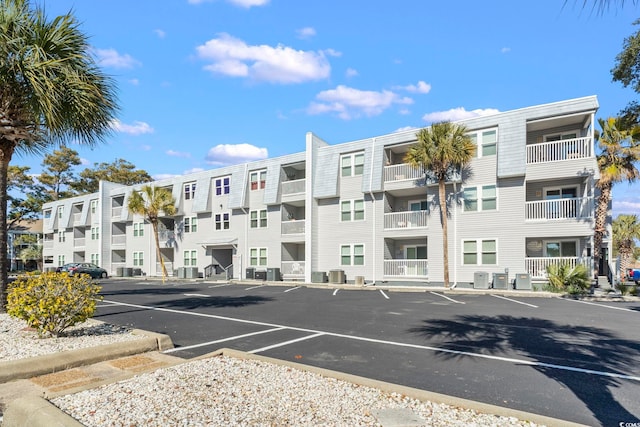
[[182, 273], [127, 272], [250, 273], [336, 276], [273, 274], [500, 281], [523, 281], [480, 280], [261, 275], [319, 277], [119, 271], [137, 272], [191, 272], [359, 281]]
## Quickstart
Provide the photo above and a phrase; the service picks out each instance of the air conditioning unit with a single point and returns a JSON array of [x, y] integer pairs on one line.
[[336, 276], [500, 281]]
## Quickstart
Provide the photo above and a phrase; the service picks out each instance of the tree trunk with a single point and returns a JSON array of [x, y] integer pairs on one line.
[[602, 210], [158, 253], [6, 152], [445, 234]]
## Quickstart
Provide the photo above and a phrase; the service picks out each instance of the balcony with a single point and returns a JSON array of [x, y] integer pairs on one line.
[[294, 226], [296, 186], [78, 242], [537, 267], [402, 172], [555, 151], [116, 212], [76, 217], [292, 269], [559, 209], [119, 239], [409, 219], [406, 268]]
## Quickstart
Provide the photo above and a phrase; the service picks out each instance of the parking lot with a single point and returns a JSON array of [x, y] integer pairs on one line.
[[570, 359]]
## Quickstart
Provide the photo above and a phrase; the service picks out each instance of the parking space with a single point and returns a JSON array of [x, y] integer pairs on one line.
[[496, 349]]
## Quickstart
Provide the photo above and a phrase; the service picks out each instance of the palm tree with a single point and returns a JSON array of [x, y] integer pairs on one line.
[[51, 92], [152, 202], [442, 151], [619, 153], [626, 229]]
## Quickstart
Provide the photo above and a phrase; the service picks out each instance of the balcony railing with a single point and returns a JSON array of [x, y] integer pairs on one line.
[[293, 226], [116, 212], [292, 268], [409, 219], [119, 239], [408, 268], [167, 265], [571, 208], [78, 241], [537, 267], [402, 172], [47, 244], [566, 149], [293, 187], [76, 217]]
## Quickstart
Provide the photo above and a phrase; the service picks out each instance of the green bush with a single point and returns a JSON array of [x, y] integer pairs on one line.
[[52, 302], [623, 288], [564, 278]]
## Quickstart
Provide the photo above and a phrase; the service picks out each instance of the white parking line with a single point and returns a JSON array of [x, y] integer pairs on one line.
[[512, 300], [383, 294], [392, 343], [293, 289], [219, 286], [308, 337], [446, 297], [602, 305], [255, 287], [197, 295], [204, 344], [335, 292]]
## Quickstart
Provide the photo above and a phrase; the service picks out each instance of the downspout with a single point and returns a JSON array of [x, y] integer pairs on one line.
[[373, 206], [455, 234]]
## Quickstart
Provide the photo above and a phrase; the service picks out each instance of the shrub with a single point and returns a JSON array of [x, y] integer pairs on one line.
[[563, 277], [623, 288], [52, 302]]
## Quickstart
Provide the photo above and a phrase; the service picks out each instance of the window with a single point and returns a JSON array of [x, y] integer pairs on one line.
[[47, 214], [479, 252], [95, 259], [61, 260], [258, 256], [561, 136], [189, 190], [191, 224], [487, 200], [60, 212], [61, 236], [95, 233], [486, 142], [138, 259], [190, 258], [556, 249], [259, 218], [222, 186], [222, 221], [138, 229], [352, 164], [258, 179], [352, 255], [94, 206], [418, 205], [352, 210]]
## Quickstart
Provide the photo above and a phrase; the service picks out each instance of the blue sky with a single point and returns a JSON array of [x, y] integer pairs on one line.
[[205, 83]]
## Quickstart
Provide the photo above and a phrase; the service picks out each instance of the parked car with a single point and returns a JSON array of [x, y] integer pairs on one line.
[[66, 268], [633, 274], [84, 268]]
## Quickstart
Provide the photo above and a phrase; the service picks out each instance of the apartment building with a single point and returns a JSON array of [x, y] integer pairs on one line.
[[356, 211]]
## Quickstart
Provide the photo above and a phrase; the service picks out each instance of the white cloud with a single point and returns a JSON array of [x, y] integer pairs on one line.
[[160, 33], [229, 154], [629, 206], [457, 114], [505, 50], [193, 170], [421, 87], [145, 147], [351, 72], [161, 176], [306, 32], [111, 58], [173, 153], [231, 56], [348, 102], [137, 128], [134, 82], [406, 128], [84, 162]]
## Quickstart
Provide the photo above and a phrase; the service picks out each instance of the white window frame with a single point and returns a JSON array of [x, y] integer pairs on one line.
[[259, 178], [191, 224], [221, 188], [47, 214], [415, 247], [422, 202], [61, 260], [60, 211], [351, 254], [545, 254], [351, 211], [138, 229], [62, 236], [190, 191], [256, 257], [138, 259], [95, 233], [480, 198], [477, 137], [190, 258], [94, 206], [260, 220], [560, 188], [479, 252], [561, 136], [222, 221], [95, 259], [352, 168]]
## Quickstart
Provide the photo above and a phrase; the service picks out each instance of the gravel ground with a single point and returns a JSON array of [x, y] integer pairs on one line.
[[225, 391]]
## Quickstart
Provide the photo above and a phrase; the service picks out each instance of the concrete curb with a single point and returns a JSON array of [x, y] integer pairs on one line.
[[46, 364], [38, 412]]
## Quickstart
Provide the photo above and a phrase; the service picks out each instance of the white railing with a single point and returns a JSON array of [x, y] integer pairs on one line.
[[292, 268], [119, 239], [566, 149], [294, 226], [402, 172], [571, 208], [406, 268], [537, 267], [409, 219], [293, 187], [76, 217], [48, 244], [167, 265], [78, 241], [116, 212]]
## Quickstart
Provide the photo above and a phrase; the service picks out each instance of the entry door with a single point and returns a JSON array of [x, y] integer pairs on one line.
[[415, 253]]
